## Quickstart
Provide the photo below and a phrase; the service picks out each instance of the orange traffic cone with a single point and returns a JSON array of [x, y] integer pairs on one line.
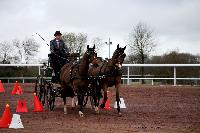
[[107, 104], [15, 88], [19, 90], [6, 118], [1, 87], [21, 106], [37, 104]]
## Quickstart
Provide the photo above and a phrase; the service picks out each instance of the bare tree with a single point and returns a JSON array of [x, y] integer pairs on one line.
[[98, 43], [19, 50], [175, 57], [75, 42], [141, 42], [5, 52], [30, 48]]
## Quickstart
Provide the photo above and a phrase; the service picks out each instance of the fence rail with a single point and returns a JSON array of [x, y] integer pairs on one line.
[[160, 65], [126, 77], [20, 78]]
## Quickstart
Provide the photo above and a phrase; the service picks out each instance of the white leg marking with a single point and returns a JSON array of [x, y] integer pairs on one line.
[[65, 109], [80, 113], [96, 109], [73, 102]]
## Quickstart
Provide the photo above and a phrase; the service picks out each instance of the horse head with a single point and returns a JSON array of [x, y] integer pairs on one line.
[[118, 56], [91, 54]]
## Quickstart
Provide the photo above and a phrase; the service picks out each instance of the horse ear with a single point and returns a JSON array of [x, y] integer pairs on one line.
[[94, 46], [124, 48], [88, 47], [117, 46]]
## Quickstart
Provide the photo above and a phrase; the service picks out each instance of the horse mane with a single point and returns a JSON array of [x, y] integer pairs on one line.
[[84, 65], [107, 66]]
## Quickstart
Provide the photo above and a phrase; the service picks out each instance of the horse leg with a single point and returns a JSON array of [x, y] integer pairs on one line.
[[65, 106], [73, 99], [117, 86], [97, 98], [80, 102], [94, 96], [105, 88], [96, 109], [73, 103]]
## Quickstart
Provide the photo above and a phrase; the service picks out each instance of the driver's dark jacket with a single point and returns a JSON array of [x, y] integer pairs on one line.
[[58, 48], [57, 57]]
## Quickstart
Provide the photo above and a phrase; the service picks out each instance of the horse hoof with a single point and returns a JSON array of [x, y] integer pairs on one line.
[[80, 114], [119, 114], [65, 113], [97, 110]]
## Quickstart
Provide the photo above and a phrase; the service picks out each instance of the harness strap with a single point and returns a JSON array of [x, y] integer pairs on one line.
[[71, 70], [101, 68]]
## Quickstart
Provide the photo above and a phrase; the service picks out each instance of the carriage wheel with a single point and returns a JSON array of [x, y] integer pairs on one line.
[[40, 89], [50, 98]]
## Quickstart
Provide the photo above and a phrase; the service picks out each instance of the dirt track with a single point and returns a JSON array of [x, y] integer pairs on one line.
[[149, 109]]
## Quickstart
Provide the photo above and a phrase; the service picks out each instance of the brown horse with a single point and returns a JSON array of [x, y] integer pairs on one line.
[[74, 78], [110, 74]]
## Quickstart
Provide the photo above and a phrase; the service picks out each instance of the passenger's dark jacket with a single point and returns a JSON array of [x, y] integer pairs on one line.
[[59, 47]]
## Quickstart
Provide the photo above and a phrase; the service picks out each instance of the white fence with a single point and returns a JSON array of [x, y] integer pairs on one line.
[[174, 66], [126, 77]]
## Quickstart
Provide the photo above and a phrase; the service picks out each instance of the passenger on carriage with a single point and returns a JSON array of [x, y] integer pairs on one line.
[[58, 56]]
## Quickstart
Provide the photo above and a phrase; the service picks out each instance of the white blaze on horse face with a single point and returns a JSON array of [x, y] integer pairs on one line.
[[94, 58], [119, 65]]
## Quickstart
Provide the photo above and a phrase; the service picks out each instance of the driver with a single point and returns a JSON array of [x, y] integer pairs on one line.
[[58, 55], [57, 45]]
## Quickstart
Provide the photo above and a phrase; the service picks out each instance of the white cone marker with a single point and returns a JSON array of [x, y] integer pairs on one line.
[[16, 122], [122, 104]]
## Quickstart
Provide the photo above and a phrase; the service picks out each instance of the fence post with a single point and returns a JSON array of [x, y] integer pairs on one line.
[[39, 70], [128, 76], [152, 83], [174, 76]]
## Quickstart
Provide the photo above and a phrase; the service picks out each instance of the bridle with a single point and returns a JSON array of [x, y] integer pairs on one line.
[[90, 54], [119, 64]]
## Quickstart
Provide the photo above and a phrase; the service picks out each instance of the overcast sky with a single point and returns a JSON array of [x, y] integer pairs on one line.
[[176, 22]]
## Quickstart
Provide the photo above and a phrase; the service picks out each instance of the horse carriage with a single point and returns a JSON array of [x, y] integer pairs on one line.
[[47, 93], [82, 80]]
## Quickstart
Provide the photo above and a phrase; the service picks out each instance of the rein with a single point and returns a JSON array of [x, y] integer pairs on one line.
[[77, 65], [116, 72]]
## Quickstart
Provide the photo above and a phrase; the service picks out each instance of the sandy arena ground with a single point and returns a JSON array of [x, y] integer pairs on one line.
[[149, 109]]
